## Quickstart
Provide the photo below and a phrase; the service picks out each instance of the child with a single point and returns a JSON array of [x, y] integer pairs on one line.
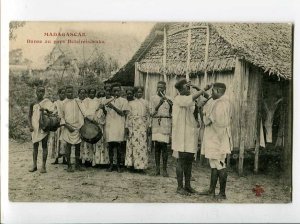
[[38, 135]]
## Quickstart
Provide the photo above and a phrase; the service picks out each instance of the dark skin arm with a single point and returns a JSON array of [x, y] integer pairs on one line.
[[120, 112], [30, 117], [207, 87]]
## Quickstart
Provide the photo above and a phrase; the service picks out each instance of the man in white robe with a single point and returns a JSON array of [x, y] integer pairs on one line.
[[115, 111], [73, 114], [217, 139], [184, 134], [37, 134]]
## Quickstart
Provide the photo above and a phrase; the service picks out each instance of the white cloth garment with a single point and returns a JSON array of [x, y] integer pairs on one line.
[[38, 134], [217, 139], [184, 125], [115, 124]]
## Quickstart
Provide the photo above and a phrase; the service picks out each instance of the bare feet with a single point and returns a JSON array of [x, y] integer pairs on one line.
[[33, 169], [43, 170], [70, 169], [191, 190], [110, 169], [182, 191], [165, 173]]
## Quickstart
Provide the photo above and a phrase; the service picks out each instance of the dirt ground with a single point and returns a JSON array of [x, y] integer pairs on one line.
[[97, 185]]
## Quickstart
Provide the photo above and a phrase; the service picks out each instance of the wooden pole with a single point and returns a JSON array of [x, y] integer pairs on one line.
[[165, 55], [243, 107], [136, 74], [206, 55], [258, 124], [187, 75], [288, 133]]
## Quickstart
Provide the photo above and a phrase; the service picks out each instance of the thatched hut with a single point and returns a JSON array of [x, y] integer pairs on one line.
[[253, 60]]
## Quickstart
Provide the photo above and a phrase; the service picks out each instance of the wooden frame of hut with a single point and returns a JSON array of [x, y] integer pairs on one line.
[[253, 60]]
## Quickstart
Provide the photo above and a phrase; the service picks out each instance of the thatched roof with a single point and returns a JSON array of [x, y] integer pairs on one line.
[[268, 46]]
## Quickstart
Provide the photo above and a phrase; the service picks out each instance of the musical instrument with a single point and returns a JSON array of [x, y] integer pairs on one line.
[[49, 121], [90, 131]]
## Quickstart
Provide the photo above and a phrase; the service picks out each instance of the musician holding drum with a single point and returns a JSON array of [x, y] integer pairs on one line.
[[160, 110], [37, 133], [72, 119]]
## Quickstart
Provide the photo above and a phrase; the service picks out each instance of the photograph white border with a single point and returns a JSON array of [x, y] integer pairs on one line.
[[146, 10]]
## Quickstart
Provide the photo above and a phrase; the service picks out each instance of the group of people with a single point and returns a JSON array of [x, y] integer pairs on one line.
[[131, 126]]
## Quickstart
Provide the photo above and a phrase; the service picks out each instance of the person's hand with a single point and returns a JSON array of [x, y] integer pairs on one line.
[[207, 87], [31, 129], [110, 106], [162, 100], [102, 106], [194, 87]]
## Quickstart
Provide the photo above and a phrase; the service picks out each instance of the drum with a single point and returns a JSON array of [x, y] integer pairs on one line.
[[90, 131], [49, 122]]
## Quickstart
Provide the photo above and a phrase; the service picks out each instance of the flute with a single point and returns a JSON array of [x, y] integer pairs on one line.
[[109, 101], [105, 103]]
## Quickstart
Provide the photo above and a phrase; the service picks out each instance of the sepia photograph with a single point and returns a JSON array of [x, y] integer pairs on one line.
[[150, 112]]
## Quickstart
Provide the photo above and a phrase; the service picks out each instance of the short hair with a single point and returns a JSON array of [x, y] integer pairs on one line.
[[81, 88], [220, 85], [60, 89], [116, 84], [40, 87], [162, 82], [180, 84], [92, 88], [69, 87], [136, 88], [130, 89]]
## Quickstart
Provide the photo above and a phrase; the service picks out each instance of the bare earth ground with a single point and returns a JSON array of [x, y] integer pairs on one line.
[[97, 185]]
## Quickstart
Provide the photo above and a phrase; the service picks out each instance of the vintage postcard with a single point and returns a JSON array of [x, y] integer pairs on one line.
[[122, 112]]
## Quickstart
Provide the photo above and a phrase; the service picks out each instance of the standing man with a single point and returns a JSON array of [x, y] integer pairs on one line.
[[217, 140], [72, 119], [161, 110], [184, 134], [37, 134], [115, 111], [58, 144]]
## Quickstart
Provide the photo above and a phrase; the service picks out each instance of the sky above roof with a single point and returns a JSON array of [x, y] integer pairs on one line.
[[35, 31]]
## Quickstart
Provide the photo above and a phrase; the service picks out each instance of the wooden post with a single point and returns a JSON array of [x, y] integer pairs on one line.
[[136, 74], [165, 55], [288, 132], [244, 73], [258, 124], [206, 55], [187, 75]]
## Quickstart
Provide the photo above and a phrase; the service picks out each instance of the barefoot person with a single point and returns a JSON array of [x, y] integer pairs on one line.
[[72, 119], [137, 124], [38, 135], [184, 134], [59, 146], [115, 111], [217, 141], [91, 104], [161, 109]]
